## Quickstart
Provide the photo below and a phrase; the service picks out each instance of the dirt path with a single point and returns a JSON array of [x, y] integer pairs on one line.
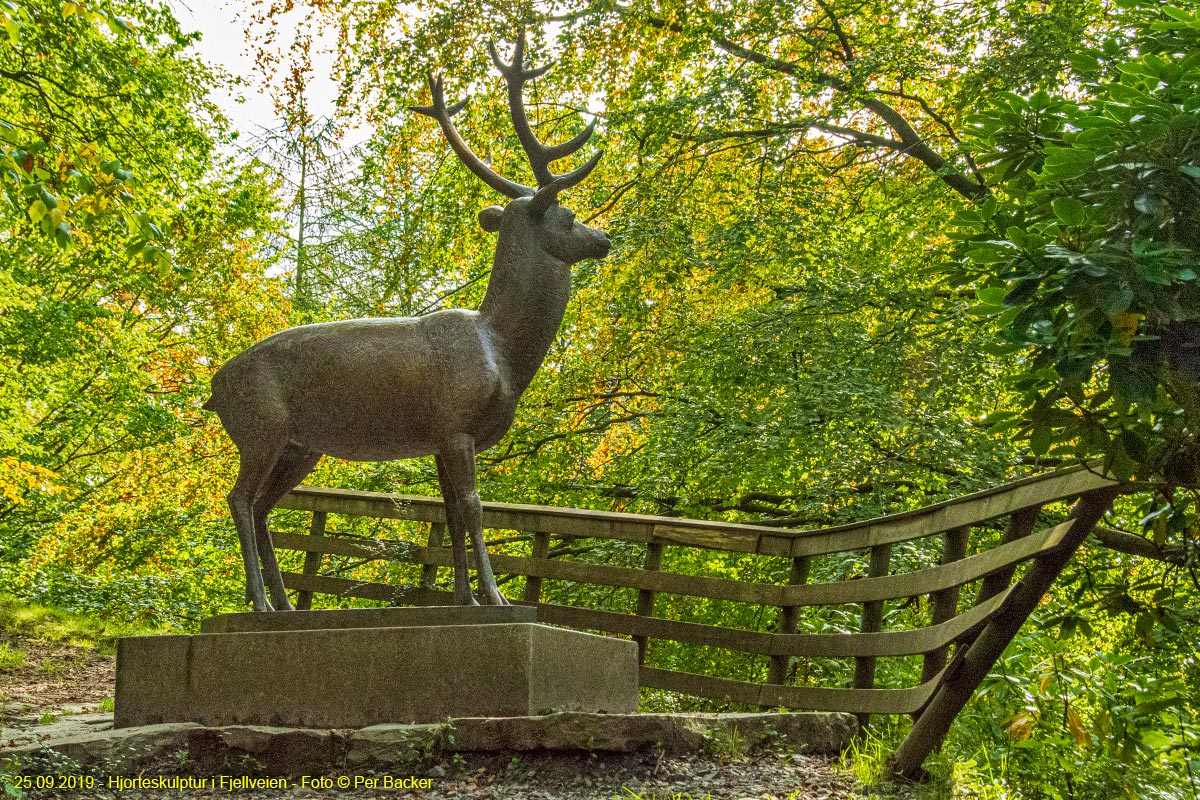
[[53, 678]]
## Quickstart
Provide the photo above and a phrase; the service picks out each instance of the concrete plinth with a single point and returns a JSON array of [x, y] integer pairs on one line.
[[352, 673]]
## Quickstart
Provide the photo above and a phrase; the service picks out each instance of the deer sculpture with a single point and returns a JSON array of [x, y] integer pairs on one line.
[[445, 384]]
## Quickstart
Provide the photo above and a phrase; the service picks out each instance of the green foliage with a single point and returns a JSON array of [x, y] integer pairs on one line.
[[1087, 253], [77, 131], [105, 344]]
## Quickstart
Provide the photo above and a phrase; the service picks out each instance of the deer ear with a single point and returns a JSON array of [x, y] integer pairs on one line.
[[489, 218]]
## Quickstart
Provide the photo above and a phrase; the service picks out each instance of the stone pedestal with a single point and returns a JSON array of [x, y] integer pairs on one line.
[[361, 667]]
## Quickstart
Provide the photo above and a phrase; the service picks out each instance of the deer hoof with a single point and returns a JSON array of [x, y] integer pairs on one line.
[[494, 598]]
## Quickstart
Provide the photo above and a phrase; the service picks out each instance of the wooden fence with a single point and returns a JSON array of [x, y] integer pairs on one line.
[[974, 605]]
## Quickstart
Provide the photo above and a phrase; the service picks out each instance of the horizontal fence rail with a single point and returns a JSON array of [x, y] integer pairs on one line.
[[955, 573]]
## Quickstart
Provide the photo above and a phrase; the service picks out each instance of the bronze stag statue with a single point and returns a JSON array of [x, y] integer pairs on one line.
[[445, 384]]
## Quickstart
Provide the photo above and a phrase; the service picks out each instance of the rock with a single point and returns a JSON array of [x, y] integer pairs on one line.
[[393, 745], [66, 728], [731, 735], [113, 751], [263, 750], [669, 741], [807, 732]]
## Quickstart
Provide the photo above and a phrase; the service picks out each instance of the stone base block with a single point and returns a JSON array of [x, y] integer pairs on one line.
[[325, 619], [353, 677]]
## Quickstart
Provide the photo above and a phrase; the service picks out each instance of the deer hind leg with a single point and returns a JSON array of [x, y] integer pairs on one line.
[[457, 463], [294, 465], [458, 539], [257, 462]]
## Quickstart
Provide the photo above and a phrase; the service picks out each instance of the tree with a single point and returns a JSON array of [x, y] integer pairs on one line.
[[1087, 253], [84, 103], [106, 338]]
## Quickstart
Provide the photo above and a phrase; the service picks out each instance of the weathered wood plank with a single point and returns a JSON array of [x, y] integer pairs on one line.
[[367, 590], [437, 541], [830, 645], [788, 615], [968, 510], [533, 585], [865, 590], [645, 600], [872, 622], [886, 643], [603, 574], [358, 547], [934, 579], [961, 512]]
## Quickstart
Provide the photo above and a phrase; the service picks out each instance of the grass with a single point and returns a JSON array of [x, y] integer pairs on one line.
[[40, 622], [11, 657]]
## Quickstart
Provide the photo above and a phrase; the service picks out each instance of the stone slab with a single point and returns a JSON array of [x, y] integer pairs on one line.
[[328, 619], [61, 728], [806, 732], [245, 749], [357, 677]]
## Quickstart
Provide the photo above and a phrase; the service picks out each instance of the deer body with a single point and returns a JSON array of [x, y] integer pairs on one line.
[[445, 384], [371, 389]]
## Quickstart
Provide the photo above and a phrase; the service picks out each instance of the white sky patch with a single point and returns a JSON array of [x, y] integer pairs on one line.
[[223, 28]]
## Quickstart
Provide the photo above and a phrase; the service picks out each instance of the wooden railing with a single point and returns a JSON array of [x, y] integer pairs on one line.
[[984, 539]]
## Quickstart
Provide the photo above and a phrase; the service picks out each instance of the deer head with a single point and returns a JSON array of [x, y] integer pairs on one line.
[[533, 211]]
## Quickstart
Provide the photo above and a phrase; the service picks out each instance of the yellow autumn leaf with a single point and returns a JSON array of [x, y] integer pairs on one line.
[[1020, 727], [1126, 324], [1078, 730]]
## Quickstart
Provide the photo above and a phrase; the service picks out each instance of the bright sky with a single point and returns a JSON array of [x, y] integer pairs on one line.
[[222, 24]]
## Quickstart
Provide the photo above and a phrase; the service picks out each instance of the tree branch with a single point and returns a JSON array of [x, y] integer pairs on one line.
[[908, 141]]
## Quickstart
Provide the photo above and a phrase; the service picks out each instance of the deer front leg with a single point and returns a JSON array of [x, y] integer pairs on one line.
[[459, 467], [243, 520]]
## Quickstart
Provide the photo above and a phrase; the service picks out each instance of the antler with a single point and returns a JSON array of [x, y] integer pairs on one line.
[[540, 155], [442, 114]]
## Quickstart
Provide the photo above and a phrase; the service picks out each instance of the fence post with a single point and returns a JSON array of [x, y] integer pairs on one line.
[[645, 600], [872, 622], [1020, 524], [437, 540], [533, 585], [944, 604], [788, 616], [312, 561], [971, 666]]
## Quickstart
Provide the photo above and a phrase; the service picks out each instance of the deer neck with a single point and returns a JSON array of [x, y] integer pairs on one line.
[[523, 307]]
